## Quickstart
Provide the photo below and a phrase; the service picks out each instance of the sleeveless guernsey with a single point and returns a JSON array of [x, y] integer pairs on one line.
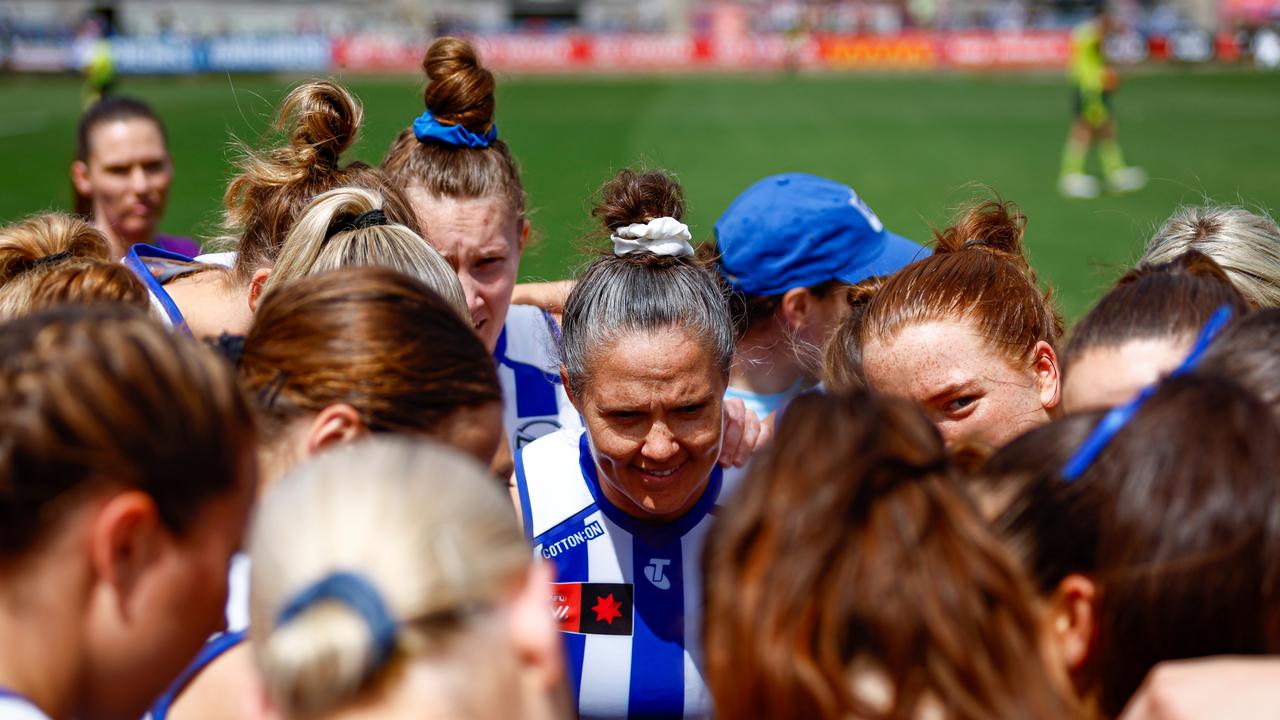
[[628, 598]]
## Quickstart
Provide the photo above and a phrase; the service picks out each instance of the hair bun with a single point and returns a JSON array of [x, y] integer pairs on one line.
[[638, 197], [459, 89], [321, 120], [993, 226]]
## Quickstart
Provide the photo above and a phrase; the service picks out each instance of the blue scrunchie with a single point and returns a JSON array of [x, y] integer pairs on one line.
[[360, 595], [426, 127]]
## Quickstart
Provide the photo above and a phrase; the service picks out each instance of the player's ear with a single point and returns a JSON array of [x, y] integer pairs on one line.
[[256, 286], [568, 389]]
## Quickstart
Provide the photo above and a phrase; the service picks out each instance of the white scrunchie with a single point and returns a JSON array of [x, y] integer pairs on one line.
[[660, 236]]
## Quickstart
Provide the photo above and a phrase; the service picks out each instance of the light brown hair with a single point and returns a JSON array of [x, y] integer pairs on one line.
[[320, 120], [370, 337], [849, 554], [1245, 244], [977, 272], [328, 237], [459, 92], [33, 248], [88, 282], [100, 396]]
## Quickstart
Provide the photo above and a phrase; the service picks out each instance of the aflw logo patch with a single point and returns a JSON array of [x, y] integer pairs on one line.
[[593, 608]]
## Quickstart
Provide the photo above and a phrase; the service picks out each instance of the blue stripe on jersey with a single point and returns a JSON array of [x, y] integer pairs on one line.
[[522, 486], [535, 389], [657, 643], [133, 261], [211, 651], [652, 531], [573, 565]]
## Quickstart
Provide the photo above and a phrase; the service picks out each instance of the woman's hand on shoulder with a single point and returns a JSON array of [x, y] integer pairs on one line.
[[744, 433]]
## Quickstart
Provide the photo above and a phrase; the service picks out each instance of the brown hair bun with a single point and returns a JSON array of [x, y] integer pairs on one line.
[[459, 89], [638, 197]]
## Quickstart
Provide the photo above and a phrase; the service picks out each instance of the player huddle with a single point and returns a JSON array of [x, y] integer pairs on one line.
[[348, 468]]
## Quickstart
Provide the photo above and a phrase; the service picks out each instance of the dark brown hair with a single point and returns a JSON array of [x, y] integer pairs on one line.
[[319, 120], [113, 108], [371, 337], [849, 550], [1168, 300], [90, 282], [1248, 351], [459, 92], [1177, 520], [100, 396], [977, 272]]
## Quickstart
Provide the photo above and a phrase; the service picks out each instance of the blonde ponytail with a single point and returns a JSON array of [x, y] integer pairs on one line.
[[334, 231], [424, 527]]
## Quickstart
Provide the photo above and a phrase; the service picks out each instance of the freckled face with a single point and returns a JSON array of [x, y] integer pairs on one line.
[[1108, 376], [653, 416], [969, 390], [481, 239]]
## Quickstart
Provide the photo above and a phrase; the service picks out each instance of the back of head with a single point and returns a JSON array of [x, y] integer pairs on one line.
[[1175, 519], [1166, 301], [647, 290], [113, 108], [1246, 245], [849, 576], [91, 282], [392, 348], [319, 120], [459, 93], [347, 227], [104, 396], [1248, 351], [978, 273], [32, 248], [433, 543]]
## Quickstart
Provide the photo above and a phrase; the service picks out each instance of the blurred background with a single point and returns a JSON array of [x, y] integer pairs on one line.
[[918, 104]]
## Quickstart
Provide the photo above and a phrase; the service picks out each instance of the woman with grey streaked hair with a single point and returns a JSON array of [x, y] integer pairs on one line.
[[1245, 244], [622, 509]]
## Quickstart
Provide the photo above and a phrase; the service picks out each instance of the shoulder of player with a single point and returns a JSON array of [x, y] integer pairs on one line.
[[550, 481], [531, 338]]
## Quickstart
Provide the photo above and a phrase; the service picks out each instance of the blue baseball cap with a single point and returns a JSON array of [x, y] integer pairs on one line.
[[799, 230]]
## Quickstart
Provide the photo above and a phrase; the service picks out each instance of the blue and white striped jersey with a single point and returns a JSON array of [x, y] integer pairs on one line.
[[534, 402], [628, 595], [15, 707]]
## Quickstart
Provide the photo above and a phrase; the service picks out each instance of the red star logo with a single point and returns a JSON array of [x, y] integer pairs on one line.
[[607, 609]]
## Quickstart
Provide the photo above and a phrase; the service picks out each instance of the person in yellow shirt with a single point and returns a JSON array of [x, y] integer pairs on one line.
[[99, 72], [1094, 83]]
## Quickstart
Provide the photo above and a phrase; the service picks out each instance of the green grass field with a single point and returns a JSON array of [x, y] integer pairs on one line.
[[915, 147]]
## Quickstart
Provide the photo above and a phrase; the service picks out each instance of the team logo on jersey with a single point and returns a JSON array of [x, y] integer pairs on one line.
[[534, 429], [593, 608], [653, 571]]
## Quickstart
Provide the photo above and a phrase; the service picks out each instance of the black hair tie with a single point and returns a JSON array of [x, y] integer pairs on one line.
[[230, 347], [51, 259], [369, 219]]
